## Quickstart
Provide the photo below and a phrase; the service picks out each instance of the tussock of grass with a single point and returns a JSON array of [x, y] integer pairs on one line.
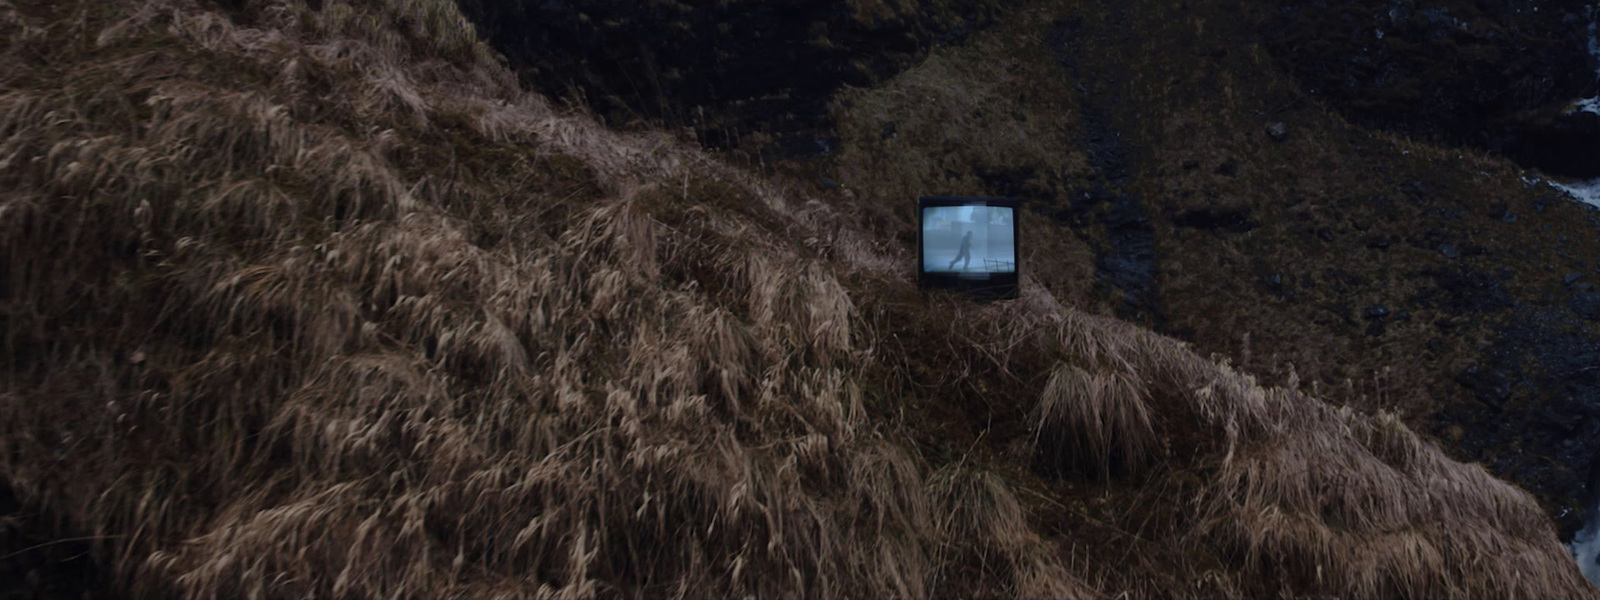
[[1105, 412], [327, 307]]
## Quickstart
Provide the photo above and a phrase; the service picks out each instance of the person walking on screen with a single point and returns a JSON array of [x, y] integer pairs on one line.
[[965, 257]]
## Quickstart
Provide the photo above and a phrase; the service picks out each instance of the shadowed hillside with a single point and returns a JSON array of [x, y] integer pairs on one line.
[[311, 300], [1245, 176], [1192, 183]]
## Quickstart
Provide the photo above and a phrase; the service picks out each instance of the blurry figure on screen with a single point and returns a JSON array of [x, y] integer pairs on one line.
[[965, 257]]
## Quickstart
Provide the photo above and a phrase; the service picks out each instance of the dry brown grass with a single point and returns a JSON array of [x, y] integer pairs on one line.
[[343, 391], [1104, 412], [326, 307], [1289, 490]]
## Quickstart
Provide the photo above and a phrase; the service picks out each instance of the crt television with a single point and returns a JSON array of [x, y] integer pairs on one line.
[[968, 245]]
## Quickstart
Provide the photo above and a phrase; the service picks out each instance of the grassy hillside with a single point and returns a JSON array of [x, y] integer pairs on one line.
[[315, 301]]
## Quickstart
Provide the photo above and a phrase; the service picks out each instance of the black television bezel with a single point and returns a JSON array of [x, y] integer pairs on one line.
[[999, 285]]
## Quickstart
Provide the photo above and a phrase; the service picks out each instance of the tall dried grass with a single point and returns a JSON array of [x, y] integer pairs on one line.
[[340, 390], [289, 314], [1321, 500]]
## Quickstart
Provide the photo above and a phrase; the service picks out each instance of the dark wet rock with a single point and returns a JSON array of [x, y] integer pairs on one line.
[[1376, 311], [1502, 213], [1414, 189], [1497, 75], [1491, 387], [1539, 385], [1449, 250], [1277, 285], [1465, 290], [1570, 279], [1585, 305], [1278, 131], [829, 183]]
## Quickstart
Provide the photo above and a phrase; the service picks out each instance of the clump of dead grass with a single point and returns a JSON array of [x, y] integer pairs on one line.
[[1290, 490], [1103, 413], [987, 530]]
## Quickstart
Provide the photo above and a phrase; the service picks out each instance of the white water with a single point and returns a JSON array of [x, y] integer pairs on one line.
[[1585, 545], [1582, 191], [1585, 548], [1587, 191], [1588, 105], [1591, 104]]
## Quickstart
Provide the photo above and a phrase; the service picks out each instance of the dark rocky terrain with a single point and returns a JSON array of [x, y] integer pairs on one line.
[[1496, 75]]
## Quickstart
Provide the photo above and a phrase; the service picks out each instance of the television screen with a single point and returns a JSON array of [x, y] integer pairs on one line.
[[970, 241], [969, 245]]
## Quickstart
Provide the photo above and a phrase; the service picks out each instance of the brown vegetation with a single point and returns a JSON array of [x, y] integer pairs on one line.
[[315, 302]]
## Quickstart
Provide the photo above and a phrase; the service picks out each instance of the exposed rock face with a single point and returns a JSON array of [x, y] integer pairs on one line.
[[728, 69], [1499, 75], [1547, 446], [1536, 420]]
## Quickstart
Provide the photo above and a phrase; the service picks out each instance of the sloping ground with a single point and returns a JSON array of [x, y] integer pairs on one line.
[[1443, 284], [729, 69], [315, 302]]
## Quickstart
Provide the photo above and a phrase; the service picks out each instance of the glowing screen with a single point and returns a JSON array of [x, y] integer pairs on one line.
[[970, 241]]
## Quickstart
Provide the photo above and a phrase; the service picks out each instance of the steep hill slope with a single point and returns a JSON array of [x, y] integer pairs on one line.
[[310, 299], [1324, 189], [1202, 190]]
